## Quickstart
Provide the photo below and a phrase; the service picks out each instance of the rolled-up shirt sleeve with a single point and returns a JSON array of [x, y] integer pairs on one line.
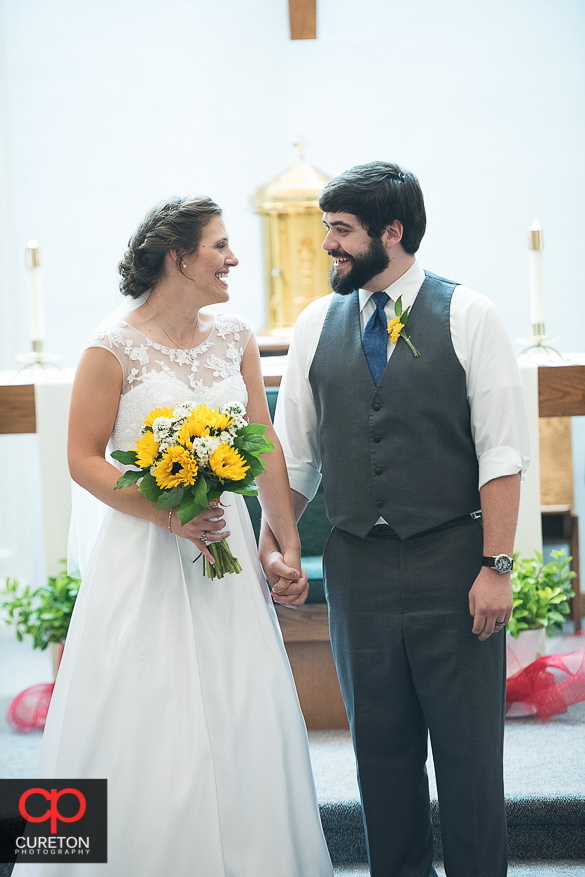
[[296, 419], [494, 387]]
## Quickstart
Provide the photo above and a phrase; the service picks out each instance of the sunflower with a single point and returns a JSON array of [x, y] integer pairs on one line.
[[228, 463], [146, 450], [177, 467], [219, 422], [195, 427], [158, 412], [211, 420]]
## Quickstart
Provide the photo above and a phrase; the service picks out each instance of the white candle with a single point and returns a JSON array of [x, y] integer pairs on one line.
[[36, 315], [535, 248]]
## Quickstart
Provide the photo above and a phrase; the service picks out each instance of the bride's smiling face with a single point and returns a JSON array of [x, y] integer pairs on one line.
[[208, 268]]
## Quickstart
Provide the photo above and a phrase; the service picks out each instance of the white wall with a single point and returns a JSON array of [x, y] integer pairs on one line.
[[116, 104], [120, 103]]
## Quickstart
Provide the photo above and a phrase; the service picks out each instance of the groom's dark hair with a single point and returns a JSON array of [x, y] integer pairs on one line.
[[377, 193]]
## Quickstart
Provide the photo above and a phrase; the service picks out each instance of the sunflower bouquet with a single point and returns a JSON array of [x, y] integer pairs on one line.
[[189, 455]]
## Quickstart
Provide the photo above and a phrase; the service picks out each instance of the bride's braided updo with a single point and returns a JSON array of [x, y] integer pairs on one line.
[[176, 224]]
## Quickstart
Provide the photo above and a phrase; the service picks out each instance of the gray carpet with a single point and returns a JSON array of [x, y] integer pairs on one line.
[[540, 758]]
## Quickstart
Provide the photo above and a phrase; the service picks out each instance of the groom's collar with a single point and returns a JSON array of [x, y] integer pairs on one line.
[[406, 286]]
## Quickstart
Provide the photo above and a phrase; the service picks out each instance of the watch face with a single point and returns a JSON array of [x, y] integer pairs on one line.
[[503, 563]]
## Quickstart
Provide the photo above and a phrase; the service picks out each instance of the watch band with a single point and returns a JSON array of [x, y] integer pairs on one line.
[[500, 563]]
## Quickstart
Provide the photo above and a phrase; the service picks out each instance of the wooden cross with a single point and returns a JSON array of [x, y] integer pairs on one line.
[[303, 19]]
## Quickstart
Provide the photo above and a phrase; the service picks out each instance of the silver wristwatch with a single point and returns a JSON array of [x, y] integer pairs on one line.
[[501, 563]]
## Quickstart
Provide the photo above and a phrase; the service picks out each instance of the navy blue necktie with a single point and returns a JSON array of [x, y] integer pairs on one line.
[[375, 337]]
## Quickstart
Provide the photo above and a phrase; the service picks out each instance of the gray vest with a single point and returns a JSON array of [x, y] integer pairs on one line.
[[402, 450]]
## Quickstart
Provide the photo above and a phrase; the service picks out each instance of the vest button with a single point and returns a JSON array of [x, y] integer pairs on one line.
[[376, 406], [377, 438], [379, 470], [380, 503]]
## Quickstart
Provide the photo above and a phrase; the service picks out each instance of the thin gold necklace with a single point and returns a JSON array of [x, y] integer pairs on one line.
[[167, 334]]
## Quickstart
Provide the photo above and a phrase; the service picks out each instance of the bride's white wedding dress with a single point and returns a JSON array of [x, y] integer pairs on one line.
[[176, 688]]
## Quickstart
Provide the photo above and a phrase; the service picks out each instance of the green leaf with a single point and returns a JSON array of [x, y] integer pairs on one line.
[[256, 465], [128, 458], [149, 488], [250, 428], [214, 493], [254, 444], [128, 478], [398, 306], [170, 498], [245, 490], [189, 508], [200, 491]]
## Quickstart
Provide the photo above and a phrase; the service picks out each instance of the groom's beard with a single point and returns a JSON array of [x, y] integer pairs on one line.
[[364, 267]]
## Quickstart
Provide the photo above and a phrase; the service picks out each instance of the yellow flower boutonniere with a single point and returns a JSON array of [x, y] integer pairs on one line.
[[397, 326]]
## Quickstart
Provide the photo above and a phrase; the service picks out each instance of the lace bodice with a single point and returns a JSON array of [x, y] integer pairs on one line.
[[157, 376]]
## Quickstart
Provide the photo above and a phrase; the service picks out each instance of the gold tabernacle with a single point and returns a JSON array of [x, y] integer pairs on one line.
[[296, 266]]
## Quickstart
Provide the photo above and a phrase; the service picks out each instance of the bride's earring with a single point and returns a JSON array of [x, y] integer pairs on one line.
[[184, 264]]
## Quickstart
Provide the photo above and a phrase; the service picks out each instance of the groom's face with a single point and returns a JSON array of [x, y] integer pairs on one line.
[[357, 258]]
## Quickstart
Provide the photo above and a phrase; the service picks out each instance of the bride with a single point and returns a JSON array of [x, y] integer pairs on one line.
[[174, 687]]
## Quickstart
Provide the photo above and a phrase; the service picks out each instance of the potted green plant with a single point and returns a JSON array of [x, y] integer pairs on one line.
[[541, 594], [43, 614]]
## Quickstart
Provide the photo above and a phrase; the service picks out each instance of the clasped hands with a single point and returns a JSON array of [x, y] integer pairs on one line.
[[289, 584]]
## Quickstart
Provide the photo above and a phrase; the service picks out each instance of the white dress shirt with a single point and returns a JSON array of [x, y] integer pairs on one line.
[[482, 346]]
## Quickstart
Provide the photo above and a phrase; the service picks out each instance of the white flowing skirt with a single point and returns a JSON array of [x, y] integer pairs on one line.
[[178, 691]]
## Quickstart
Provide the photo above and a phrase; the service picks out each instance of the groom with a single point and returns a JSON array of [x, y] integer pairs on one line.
[[413, 431]]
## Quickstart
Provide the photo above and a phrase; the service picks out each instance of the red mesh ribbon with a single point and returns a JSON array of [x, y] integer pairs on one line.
[[28, 711], [552, 683]]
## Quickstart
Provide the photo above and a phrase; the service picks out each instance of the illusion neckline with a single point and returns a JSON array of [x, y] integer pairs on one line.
[[175, 349]]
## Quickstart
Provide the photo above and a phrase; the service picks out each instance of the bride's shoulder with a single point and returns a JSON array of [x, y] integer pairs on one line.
[[113, 334], [232, 327], [106, 335], [121, 339]]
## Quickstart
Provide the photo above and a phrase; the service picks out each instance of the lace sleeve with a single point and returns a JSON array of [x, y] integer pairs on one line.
[[128, 347], [110, 339], [233, 328], [232, 334]]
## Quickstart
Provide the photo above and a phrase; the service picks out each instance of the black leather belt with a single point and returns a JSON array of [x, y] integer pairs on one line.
[[385, 530]]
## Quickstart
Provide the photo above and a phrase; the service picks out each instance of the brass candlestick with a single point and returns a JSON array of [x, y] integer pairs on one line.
[[535, 342], [37, 358]]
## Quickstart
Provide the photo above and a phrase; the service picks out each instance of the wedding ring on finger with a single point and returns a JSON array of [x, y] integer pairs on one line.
[[500, 623], [204, 539]]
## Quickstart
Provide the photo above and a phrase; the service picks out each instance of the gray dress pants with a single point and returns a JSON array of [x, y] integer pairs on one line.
[[409, 665]]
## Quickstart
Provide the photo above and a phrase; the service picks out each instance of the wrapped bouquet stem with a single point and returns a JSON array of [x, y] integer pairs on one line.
[[188, 456], [221, 553]]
